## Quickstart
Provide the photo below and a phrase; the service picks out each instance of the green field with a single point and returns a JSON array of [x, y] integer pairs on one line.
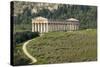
[[61, 47]]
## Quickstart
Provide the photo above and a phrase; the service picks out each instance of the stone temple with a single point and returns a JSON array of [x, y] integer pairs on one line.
[[41, 24]]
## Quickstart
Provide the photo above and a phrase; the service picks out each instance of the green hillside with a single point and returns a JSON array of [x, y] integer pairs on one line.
[[58, 47]]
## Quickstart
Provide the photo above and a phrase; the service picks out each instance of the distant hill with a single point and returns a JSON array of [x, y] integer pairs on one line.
[[34, 7], [25, 11]]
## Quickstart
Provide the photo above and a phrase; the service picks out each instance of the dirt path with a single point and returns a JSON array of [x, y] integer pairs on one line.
[[34, 60]]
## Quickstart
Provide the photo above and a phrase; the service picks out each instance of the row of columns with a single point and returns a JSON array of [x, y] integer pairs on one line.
[[63, 27], [57, 27], [45, 27], [71, 27], [40, 27]]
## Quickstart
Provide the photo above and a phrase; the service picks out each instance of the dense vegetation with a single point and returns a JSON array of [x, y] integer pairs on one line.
[[58, 47], [20, 37], [24, 12]]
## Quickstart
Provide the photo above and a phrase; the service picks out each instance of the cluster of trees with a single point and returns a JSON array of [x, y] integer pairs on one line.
[[20, 37], [86, 14]]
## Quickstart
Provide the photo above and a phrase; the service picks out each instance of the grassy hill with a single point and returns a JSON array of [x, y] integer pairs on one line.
[[60, 47]]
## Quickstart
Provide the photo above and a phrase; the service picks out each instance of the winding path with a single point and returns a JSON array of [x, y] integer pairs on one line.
[[34, 60]]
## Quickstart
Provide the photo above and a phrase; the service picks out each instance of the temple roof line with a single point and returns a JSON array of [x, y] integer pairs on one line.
[[45, 20]]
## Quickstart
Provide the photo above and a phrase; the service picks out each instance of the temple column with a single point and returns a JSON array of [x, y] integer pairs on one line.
[[66, 27], [54, 27], [51, 26], [60, 26], [38, 27], [75, 27], [57, 26], [63, 26], [41, 27], [70, 27], [46, 27], [35, 27]]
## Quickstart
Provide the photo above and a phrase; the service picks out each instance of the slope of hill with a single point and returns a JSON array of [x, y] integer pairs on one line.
[[59, 47]]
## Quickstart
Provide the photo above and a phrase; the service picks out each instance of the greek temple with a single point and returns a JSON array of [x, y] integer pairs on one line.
[[41, 24]]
